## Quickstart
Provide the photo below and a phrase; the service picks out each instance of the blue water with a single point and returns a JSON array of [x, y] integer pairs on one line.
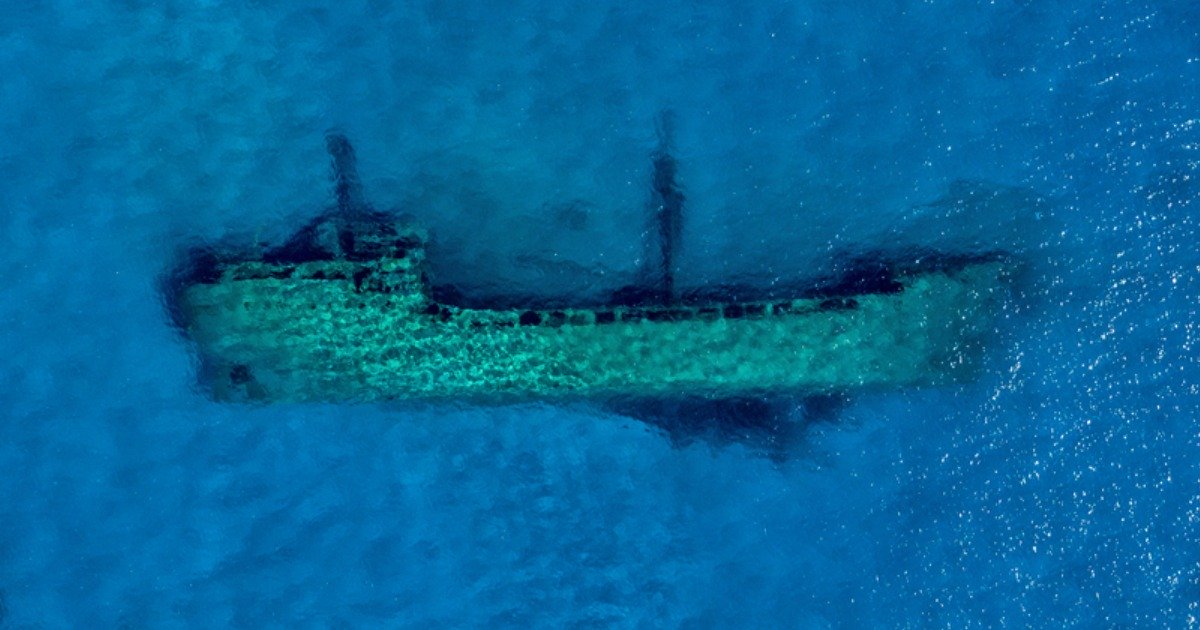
[[1061, 489]]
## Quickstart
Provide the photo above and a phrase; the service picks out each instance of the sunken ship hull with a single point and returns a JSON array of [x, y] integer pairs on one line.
[[367, 328]]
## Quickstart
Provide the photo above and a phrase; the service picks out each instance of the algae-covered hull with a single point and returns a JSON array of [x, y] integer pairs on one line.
[[365, 327]]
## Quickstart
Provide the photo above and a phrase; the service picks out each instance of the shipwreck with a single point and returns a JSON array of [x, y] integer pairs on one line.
[[346, 311]]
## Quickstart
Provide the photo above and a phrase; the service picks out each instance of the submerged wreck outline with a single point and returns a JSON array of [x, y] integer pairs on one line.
[[345, 311]]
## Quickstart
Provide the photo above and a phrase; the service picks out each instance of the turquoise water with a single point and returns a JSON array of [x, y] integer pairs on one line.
[[1060, 489]]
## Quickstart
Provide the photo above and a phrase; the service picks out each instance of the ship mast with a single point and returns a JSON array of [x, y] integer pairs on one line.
[[667, 205], [347, 188]]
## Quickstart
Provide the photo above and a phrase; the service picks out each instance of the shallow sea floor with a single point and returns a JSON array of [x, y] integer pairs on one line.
[[1062, 488]]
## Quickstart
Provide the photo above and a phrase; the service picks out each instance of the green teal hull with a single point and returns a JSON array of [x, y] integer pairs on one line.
[[367, 330]]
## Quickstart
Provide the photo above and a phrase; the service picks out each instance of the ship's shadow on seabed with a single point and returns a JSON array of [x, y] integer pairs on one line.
[[773, 427]]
